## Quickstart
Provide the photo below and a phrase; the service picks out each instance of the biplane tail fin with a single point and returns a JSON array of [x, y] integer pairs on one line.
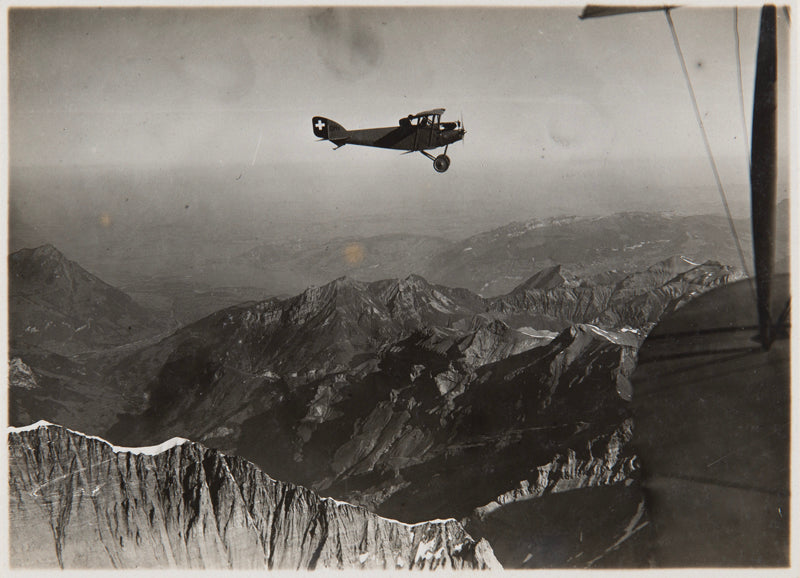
[[328, 129]]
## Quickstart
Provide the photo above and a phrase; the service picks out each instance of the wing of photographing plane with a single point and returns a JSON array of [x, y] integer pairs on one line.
[[711, 399], [598, 10]]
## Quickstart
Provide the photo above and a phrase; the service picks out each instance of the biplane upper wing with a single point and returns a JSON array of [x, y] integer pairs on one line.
[[438, 111]]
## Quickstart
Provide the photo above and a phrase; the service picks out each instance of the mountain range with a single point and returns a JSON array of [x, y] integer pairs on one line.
[[411, 399], [494, 262], [490, 263]]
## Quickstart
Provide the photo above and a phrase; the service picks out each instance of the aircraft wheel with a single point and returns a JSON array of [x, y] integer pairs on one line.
[[441, 163]]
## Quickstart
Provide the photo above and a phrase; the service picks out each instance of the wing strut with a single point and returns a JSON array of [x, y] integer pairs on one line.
[[763, 174]]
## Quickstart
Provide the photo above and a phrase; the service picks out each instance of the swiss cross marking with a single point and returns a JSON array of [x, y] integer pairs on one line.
[[320, 124]]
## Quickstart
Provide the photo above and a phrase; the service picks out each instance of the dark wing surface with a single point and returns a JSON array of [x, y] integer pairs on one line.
[[599, 10], [711, 411]]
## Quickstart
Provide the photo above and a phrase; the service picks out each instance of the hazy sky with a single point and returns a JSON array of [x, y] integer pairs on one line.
[[209, 110]]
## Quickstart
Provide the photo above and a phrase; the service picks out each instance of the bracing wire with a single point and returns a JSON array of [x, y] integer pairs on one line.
[[741, 85], [710, 154]]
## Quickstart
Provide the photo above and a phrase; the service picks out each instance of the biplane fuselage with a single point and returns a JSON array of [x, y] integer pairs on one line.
[[415, 133], [406, 138]]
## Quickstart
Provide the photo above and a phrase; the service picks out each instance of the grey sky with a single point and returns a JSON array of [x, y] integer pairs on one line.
[[563, 115], [199, 86]]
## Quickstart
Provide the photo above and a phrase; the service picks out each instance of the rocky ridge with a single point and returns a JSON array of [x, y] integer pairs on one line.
[[77, 501]]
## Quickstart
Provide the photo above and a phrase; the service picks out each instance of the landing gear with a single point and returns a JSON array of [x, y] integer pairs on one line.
[[441, 163]]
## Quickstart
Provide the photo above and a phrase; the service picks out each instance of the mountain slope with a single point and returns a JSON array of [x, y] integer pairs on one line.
[[494, 262], [56, 304], [79, 502]]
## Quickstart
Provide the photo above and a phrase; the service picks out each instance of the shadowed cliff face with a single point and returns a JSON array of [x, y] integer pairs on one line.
[[79, 502]]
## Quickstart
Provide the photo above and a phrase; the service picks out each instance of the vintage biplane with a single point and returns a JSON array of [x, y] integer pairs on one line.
[[419, 132]]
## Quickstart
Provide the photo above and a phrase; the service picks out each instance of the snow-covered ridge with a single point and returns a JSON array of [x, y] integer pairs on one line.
[[176, 441], [148, 450], [437, 521]]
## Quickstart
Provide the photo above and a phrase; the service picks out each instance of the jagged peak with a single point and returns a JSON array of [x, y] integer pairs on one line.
[[413, 278], [547, 278], [331, 289], [496, 326], [149, 450], [47, 249], [343, 282], [413, 282], [46, 252]]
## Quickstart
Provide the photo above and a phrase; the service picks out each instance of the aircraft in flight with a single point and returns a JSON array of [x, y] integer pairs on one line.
[[419, 132]]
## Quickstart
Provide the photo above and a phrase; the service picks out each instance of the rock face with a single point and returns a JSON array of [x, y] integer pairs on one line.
[[20, 375], [79, 502], [569, 472]]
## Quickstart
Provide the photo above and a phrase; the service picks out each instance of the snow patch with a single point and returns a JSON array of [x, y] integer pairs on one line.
[[336, 502], [541, 333], [424, 550], [363, 557], [690, 262], [615, 338], [440, 308], [33, 426]]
